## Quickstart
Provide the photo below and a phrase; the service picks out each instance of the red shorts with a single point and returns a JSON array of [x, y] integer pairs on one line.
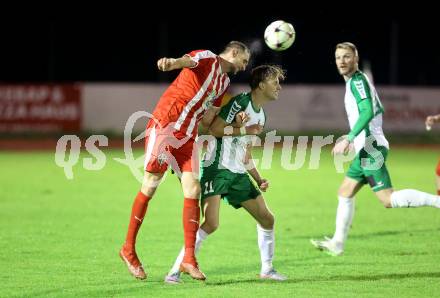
[[167, 147]]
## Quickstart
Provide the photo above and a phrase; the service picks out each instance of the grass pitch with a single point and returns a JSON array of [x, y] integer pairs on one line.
[[60, 238]]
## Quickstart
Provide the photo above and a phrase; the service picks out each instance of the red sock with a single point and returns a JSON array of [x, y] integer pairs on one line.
[[191, 217], [138, 211]]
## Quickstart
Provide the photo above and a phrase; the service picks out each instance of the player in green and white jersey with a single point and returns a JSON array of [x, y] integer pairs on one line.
[[364, 111], [228, 163]]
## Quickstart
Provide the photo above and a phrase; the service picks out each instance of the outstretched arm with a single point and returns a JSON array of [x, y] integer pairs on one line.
[[430, 120], [167, 64]]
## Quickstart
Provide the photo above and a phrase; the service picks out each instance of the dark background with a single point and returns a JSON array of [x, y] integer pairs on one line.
[[401, 51]]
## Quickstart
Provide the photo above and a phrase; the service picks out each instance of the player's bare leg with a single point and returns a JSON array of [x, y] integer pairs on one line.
[[266, 236], [259, 210], [139, 209], [384, 197], [191, 217], [211, 211]]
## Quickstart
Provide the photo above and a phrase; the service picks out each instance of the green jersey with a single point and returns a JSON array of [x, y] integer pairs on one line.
[[364, 111], [229, 152]]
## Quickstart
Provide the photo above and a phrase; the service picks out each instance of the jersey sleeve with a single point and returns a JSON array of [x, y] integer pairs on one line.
[[232, 108], [201, 57], [360, 87], [361, 91]]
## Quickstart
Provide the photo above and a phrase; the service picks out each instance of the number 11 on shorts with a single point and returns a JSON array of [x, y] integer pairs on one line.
[[208, 187]]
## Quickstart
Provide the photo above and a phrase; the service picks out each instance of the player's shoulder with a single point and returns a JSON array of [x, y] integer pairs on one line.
[[242, 98], [204, 59], [359, 81], [358, 76], [359, 85], [202, 54]]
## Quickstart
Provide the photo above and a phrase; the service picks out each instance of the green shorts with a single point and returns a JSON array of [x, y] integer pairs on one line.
[[365, 169], [232, 187]]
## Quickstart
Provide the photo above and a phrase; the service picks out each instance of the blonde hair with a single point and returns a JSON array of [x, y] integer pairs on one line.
[[265, 72], [347, 45]]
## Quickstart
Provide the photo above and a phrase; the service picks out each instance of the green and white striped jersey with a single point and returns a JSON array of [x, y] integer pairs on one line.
[[230, 151], [364, 111]]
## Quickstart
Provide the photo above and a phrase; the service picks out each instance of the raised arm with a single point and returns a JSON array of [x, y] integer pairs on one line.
[[167, 64]]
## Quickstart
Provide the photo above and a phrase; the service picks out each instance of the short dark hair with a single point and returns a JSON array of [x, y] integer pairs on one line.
[[236, 45], [264, 72]]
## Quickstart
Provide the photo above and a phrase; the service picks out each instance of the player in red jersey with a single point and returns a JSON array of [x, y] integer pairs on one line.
[[429, 122], [196, 93]]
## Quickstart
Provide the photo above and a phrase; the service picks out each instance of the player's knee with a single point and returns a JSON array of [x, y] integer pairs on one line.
[[214, 227], [210, 226], [197, 189], [150, 184], [386, 202], [148, 190], [344, 192], [192, 191], [268, 221], [271, 219]]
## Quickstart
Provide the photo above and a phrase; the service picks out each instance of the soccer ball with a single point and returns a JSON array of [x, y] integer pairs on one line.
[[279, 35]]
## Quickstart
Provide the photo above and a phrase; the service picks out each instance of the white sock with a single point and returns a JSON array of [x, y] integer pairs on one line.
[[344, 218], [266, 243], [200, 237], [407, 198]]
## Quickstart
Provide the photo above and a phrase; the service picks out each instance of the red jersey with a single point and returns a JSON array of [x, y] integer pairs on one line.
[[192, 93]]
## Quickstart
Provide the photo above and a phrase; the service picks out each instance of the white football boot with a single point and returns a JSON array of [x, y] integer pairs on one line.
[[329, 246]]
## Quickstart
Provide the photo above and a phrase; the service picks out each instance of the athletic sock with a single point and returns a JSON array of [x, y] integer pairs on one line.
[[201, 236], [191, 217], [407, 198], [344, 218], [138, 211], [266, 243]]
